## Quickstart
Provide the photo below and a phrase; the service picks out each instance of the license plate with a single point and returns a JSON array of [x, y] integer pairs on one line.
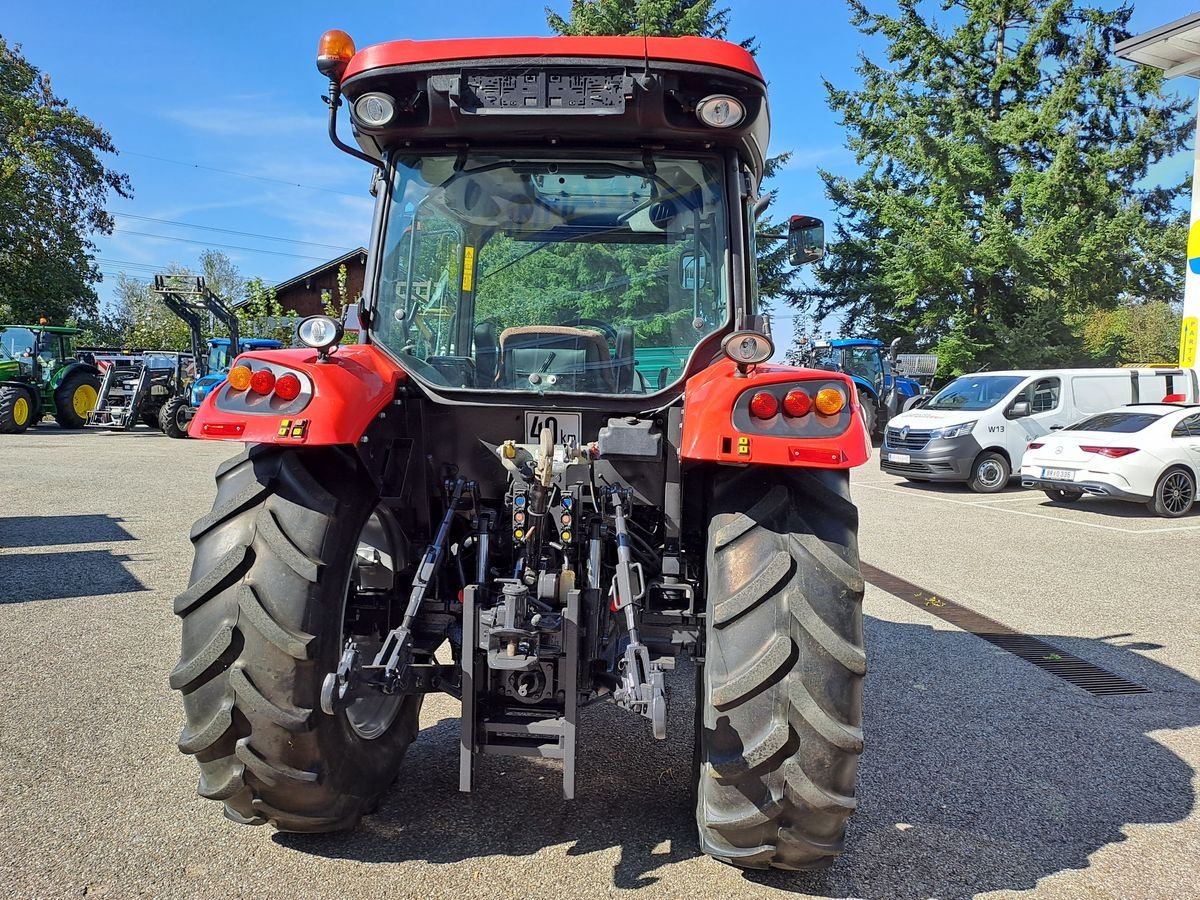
[[565, 427], [899, 458], [1059, 474]]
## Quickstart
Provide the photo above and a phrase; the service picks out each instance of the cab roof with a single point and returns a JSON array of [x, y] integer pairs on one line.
[[689, 50]]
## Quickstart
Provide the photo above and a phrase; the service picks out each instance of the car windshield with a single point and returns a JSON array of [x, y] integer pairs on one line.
[[974, 392], [1119, 422], [552, 275]]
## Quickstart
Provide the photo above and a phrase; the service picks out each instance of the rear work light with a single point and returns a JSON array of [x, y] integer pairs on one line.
[[262, 381], [763, 405], [796, 403], [287, 387], [1110, 452], [829, 401], [239, 377]]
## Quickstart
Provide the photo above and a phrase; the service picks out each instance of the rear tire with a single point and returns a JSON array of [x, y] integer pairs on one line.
[[262, 625], [75, 398], [16, 410], [989, 473], [172, 418], [1063, 495], [870, 414], [1174, 494], [782, 680]]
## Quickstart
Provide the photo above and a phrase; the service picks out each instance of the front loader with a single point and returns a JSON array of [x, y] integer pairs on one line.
[[490, 496]]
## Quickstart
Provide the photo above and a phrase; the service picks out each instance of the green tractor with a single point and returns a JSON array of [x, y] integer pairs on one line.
[[40, 375]]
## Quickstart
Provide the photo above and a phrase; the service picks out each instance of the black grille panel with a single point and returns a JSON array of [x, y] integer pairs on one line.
[[914, 440]]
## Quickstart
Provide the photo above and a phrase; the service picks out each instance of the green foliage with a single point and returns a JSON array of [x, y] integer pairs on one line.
[[53, 187], [141, 320], [1003, 151], [335, 308], [669, 18], [1143, 333], [262, 315]]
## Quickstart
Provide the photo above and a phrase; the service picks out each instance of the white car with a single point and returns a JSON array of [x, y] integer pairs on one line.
[[1146, 452]]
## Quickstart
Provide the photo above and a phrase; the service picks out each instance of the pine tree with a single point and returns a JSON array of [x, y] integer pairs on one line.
[[1002, 196]]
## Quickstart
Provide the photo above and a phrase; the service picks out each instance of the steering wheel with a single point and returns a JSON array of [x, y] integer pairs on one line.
[[609, 331]]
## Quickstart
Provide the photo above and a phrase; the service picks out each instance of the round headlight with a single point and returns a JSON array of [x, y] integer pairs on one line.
[[720, 111], [374, 110], [319, 332], [748, 348]]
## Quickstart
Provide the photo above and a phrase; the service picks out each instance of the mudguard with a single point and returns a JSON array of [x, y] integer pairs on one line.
[[717, 426], [339, 399]]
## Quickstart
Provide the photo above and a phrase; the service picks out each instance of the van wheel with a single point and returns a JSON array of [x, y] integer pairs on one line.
[[990, 473], [1174, 494], [1063, 495]]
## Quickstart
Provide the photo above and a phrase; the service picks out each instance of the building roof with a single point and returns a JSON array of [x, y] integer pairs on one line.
[[332, 264], [1174, 47]]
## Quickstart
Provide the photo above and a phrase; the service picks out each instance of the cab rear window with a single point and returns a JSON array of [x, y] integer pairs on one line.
[[1120, 422]]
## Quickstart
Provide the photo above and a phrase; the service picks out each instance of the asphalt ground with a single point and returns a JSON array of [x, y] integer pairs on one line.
[[983, 776]]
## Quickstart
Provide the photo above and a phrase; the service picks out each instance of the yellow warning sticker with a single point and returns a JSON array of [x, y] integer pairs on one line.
[[468, 268]]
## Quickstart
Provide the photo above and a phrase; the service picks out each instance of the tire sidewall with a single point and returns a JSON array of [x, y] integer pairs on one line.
[[64, 398], [990, 473], [1159, 506]]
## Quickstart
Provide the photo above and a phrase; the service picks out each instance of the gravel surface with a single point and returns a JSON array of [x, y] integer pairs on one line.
[[983, 774]]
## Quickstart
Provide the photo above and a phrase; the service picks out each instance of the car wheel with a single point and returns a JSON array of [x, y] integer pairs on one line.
[[1174, 494], [1063, 495], [990, 473]]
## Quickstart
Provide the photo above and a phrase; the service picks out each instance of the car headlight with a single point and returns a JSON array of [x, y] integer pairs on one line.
[[953, 431]]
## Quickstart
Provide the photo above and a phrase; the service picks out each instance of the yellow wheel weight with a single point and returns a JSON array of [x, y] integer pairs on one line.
[[20, 412], [83, 401]]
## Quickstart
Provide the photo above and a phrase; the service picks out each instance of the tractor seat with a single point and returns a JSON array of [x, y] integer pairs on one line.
[[578, 357]]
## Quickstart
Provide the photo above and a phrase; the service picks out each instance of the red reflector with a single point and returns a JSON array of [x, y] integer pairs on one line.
[[811, 455], [262, 381], [224, 429], [1110, 452], [1035, 446], [797, 403], [763, 405], [287, 387]]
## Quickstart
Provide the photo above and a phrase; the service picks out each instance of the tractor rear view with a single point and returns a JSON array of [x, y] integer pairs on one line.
[[508, 467]]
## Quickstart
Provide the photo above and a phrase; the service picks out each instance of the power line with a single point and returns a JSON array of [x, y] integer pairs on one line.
[[265, 237], [191, 165], [167, 237]]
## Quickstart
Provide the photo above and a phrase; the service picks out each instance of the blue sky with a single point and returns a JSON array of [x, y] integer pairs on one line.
[[188, 88]]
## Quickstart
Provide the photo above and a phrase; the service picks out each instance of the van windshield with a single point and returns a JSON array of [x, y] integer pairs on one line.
[[974, 392]]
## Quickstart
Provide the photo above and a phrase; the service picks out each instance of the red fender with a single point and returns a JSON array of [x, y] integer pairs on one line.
[[718, 427], [340, 397]]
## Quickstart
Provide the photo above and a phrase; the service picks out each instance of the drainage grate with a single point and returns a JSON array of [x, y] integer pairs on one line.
[[1047, 657]]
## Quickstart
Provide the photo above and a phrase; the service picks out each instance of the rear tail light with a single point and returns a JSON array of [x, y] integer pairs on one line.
[[239, 377], [224, 429], [763, 405], [262, 381], [287, 387], [1035, 446], [830, 401], [796, 403], [1110, 452]]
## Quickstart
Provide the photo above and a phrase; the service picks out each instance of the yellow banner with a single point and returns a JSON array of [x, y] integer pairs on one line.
[[1187, 343]]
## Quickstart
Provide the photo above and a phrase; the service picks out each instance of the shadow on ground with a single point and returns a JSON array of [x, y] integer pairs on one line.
[[57, 575], [44, 531], [1032, 780]]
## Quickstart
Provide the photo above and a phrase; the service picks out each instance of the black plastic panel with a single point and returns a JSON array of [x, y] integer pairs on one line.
[[596, 93]]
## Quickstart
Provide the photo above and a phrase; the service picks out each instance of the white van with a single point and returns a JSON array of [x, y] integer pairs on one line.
[[976, 428]]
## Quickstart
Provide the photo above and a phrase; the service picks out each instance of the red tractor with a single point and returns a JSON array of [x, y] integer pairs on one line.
[[557, 454]]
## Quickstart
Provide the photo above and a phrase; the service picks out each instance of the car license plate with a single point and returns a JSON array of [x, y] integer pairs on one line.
[[899, 458], [564, 426], [1059, 474]]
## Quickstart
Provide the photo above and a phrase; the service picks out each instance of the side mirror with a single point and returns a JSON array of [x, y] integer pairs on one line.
[[1019, 409], [805, 240], [693, 272]]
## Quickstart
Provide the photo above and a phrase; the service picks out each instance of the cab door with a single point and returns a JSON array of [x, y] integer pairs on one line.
[[1033, 413]]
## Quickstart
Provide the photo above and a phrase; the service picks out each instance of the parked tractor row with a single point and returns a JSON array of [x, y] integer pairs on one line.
[[43, 373]]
